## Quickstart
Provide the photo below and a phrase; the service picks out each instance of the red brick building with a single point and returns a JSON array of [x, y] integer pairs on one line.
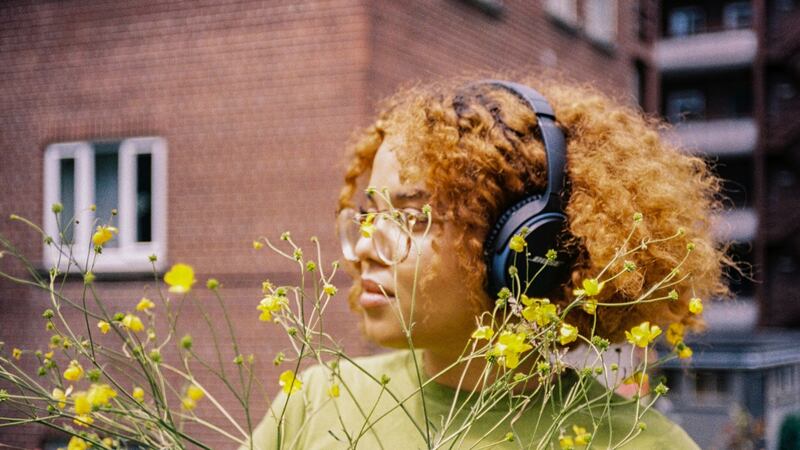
[[251, 104]]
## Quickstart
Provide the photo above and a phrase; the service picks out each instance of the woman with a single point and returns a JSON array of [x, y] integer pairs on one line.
[[471, 150]]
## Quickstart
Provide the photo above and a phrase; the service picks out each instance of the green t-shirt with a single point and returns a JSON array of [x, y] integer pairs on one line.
[[315, 420]]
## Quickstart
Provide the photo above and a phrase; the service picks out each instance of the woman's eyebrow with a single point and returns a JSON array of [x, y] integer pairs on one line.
[[402, 196]]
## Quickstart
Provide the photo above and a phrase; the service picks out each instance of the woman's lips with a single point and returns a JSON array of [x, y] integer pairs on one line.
[[372, 296]]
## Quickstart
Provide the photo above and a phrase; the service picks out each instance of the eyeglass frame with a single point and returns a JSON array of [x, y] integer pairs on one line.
[[357, 216]]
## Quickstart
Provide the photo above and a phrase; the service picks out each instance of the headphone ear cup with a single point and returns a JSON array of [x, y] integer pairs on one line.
[[544, 231]]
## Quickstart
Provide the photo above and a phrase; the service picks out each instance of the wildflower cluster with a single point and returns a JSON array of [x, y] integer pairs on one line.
[[114, 381]]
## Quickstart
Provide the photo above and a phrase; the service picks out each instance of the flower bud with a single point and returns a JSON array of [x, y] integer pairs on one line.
[[57, 208], [186, 342], [212, 284]]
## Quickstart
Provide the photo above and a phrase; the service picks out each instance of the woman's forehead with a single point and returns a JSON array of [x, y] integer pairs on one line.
[[386, 173]]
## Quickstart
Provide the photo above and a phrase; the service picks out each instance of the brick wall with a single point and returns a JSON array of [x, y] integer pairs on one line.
[[255, 101]]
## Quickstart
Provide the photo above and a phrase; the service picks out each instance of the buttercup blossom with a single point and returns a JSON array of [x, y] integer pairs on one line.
[[483, 332], [637, 378], [566, 442], [74, 371], [538, 310], [76, 443], [258, 245], [104, 326], [269, 305], [591, 287], [333, 391], [329, 289], [695, 306], [581, 436], [132, 323], [567, 333], [590, 306], [138, 394], [145, 304], [367, 227], [509, 346], [684, 351], [100, 394], [517, 243], [60, 396], [289, 382], [103, 234], [16, 353], [180, 278], [675, 333], [194, 392], [643, 334]]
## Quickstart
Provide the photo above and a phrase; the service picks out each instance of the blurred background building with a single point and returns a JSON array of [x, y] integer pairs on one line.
[[209, 124]]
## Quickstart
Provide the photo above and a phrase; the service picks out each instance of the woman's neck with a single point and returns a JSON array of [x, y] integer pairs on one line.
[[465, 375]]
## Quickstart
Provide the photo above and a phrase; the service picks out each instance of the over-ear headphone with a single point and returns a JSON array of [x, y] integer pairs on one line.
[[541, 214]]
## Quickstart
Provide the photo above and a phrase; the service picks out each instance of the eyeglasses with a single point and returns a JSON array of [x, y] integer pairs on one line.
[[390, 231]]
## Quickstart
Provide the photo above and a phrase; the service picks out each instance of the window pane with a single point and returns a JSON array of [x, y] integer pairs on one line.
[[144, 198], [106, 188], [67, 199]]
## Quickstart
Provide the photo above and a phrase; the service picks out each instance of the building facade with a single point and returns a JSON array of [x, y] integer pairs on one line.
[[206, 125]]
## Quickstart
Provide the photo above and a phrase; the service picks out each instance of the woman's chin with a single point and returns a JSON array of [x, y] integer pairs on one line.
[[386, 333]]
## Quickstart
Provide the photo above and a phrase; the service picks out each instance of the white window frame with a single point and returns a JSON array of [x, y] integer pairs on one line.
[[600, 20], [565, 11], [129, 256]]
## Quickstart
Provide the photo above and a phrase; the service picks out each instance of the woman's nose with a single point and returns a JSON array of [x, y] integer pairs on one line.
[[365, 250]]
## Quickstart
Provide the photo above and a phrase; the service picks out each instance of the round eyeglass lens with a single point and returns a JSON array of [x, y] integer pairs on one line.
[[391, 240], [348, 227]]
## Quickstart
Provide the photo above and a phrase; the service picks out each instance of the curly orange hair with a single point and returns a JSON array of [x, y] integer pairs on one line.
[[479, 151]]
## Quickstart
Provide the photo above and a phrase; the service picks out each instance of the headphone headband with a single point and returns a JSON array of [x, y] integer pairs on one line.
[[554, 143]]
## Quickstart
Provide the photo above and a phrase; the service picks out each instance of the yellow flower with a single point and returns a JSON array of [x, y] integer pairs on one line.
[[138, 394], [103, 234], [517, 243], [48, 355], [333, 391], [188, 403], [258, 245], [61, 397], [82, 403], [289, 382], [643, 334], [104, 326], [83, 420], [132, 323], [180, 278], [540, 311], [566, 443], [329, 289], [636, 378], [567, 333], [100, 394], [367, 228], [483, 332], [108, 442], [16, 353], [77, 443], [145, 304], [675, 333], [591, 287], [269, 305], [695, 306], [194, 392], [590, 306], [74, 371], [684, 351], [581, 436], [509, 345]]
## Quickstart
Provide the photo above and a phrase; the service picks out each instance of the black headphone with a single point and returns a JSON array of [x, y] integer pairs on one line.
[[541, 214]]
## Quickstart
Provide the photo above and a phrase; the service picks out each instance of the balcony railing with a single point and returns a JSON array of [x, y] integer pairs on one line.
[[716, 137], [707, 51]]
